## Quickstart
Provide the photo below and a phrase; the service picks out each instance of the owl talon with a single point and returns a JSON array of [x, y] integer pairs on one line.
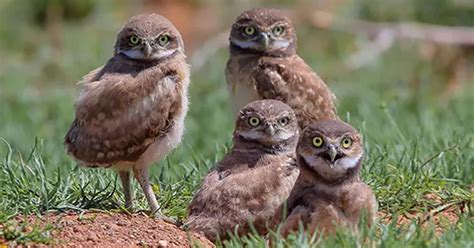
[[160, 216]]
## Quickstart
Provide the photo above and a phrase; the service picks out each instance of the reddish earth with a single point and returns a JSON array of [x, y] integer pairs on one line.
[[118, 230], [95, 229], [442, 217]]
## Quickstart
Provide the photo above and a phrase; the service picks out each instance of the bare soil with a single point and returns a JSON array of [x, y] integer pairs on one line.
[[105, 229], [118, 230], [443, 217]]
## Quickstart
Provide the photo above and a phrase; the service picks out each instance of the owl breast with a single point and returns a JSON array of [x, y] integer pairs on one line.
[[172, 139], [240, 83], [241, 94]]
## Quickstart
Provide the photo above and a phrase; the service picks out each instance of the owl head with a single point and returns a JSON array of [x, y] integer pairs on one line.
[[148, 37], [263, 30], [331, 148], [267, 124]]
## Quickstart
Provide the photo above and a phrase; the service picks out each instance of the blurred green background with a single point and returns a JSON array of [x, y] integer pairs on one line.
[[47, 45], [412, 102]]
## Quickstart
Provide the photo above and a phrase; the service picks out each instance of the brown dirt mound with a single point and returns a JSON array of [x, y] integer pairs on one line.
[[442, 215], [118, 230]]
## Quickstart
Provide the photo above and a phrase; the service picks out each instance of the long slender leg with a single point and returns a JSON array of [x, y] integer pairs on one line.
[[142, 176], [127, 188]]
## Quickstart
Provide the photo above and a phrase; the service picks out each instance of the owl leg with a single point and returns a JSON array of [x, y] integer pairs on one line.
[[142, 176], [127, 188]]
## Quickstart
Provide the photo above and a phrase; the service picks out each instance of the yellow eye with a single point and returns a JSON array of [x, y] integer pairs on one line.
[[346, 142], [249, 30], [284, 121], [317, 142], [134, 40], [254, 121], [164, 39], [278, 30]]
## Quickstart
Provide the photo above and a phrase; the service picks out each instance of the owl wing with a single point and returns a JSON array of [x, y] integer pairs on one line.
[[299, 215], [357, 198], [292, 81], [210, 197], [203, 194], [120, 113]]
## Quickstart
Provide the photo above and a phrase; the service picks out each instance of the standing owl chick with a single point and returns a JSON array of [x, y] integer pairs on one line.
[[263, 64], [328, 192], [253, 178], [131, 111]]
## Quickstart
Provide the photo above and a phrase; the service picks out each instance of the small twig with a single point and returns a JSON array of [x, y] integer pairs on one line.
[[209, 49], [457, 35], [438, 154], [436, 211], [386, 34], [370, 51]]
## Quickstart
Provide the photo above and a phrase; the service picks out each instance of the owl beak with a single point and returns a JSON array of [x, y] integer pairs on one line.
[[147, 50], [270, 130], [263, 40], [332, 152]]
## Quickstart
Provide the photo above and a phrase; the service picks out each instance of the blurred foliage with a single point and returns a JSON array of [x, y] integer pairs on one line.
[[415, 143], [69, 9], [443, 12]]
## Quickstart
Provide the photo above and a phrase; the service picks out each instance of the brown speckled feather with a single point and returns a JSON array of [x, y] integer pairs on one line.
[[324, 209], [289, 80], [243, 188], [130, 112], [276, 72], [326, 198], [120, 111], [253, 179]]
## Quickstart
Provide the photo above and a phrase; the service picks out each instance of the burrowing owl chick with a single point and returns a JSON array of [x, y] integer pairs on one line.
[[328, 192], [130, 111], [253, 178], [263, 64]]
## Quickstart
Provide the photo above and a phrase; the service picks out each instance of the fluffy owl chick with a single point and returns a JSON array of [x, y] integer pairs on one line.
[[130, 111], [263, 64], [328, 192], [253, 178]]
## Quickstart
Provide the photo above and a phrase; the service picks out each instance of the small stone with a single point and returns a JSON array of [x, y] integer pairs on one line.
[[162, 243], [92, 237], [121, 223]]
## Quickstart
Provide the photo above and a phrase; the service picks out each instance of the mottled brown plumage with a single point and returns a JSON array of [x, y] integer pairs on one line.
[[328, 192], [264, 65], [253, 178], [130, 112]]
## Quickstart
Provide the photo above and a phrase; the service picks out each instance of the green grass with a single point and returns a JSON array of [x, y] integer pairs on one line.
[[415, 143]]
